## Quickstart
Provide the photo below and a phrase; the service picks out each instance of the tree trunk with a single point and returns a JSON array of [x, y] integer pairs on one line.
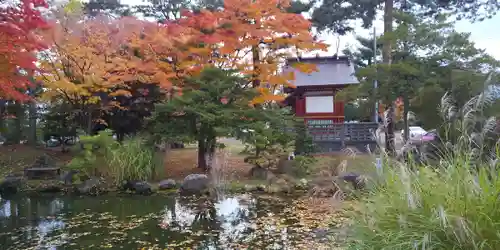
[[388, 18], [2, 113], [89, 122], [32, 122], [18, 131], [406, 106], [202, 150], [255, 62], [387, 59]]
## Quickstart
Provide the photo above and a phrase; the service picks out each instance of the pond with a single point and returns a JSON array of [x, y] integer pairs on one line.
[[152, 222]]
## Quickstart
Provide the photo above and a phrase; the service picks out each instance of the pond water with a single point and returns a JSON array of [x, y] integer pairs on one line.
[[152, 222]]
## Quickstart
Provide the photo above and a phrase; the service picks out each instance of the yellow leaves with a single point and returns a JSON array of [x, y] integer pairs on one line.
[[73, 6], [267, 96], [307, 68]]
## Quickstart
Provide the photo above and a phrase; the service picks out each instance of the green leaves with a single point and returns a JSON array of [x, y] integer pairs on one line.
[[429, 59]]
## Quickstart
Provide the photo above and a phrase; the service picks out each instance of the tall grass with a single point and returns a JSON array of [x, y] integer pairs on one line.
[[132, 160], [451, 203], [453, 207]]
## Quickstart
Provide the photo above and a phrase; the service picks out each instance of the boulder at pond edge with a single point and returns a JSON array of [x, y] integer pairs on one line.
[[11, 185], [139, 187], [167, 184], [195, 184]]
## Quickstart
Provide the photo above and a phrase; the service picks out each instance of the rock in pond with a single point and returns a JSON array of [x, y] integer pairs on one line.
[[92, 186], [195, 184], [139, 187], [167, 184], [11, 185]]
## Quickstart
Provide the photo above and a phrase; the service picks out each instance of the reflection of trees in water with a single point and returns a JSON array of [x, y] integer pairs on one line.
[[220, 222], [235, 214], [210, 224], [20, 219]]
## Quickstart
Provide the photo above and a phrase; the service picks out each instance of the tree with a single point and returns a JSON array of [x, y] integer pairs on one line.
[[225, 38], [213, 104], [163, 10], [20, 23], [429, 59], [334, 16], [263, 30], [217, 104], [95, 8], [363, 56], [84, 65]]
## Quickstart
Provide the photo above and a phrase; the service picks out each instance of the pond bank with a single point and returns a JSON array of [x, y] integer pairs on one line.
[[192, 184]]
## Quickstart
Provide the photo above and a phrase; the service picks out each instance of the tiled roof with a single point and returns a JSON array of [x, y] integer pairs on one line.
[[331, 71]]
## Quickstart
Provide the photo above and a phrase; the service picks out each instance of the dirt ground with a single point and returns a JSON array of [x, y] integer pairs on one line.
[[16, 157], [179, 163]]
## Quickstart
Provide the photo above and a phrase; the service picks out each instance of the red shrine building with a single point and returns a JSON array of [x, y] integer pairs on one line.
[[314, 95], [314, 100]]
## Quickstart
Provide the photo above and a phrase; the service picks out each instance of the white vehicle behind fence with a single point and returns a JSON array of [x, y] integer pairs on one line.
[[416, 134]]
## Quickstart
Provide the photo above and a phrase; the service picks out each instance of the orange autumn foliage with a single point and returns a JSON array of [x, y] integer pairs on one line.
[[80, 65], [263, 25], [104, 56], [226, 39], [169, 50]]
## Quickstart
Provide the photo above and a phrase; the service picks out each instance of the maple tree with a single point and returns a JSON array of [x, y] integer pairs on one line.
[[266, 31], [252, 37], [82, 65], [19, 42]]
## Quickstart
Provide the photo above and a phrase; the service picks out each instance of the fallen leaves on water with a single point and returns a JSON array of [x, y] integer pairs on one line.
[[263, 223]]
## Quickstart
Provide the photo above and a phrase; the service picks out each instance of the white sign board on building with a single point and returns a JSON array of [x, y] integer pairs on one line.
[[319, 104]]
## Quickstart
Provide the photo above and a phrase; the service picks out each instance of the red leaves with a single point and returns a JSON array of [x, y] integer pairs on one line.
[[224, 100], [18, 44]]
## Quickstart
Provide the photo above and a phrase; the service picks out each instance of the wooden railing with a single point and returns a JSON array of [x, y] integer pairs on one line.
[[343, 132]]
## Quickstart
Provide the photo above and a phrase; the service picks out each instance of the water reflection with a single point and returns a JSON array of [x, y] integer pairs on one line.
[[132, 222], [5, 209]]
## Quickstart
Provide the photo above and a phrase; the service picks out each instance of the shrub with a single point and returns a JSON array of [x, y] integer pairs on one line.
[[132, 160], [94, 150], [302, 165], [455, 207]]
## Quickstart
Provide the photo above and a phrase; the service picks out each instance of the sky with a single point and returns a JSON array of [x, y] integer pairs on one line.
[[482, 34]]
